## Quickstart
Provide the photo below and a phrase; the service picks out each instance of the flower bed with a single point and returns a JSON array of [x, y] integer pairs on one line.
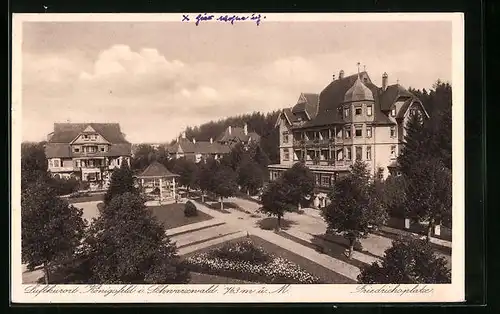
[[243, 260]]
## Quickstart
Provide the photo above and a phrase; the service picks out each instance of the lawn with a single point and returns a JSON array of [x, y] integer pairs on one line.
[[324, 274], [172, 215], [83, 199]]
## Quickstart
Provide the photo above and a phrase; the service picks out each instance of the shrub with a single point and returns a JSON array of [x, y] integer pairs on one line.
[[64, 186], [242, 251], [242, 260], [190, 209]]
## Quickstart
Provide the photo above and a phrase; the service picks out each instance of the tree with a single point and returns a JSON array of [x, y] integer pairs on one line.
[[408, 261], [128, 245], [250, 176], [428, 192], [415, 144], [122, 181], [33, 162], [205, 174], [355, 206], [143, 156], [275, 200], [301, 181], [51, 229], [394, 195], [188, 172], [223, 183]]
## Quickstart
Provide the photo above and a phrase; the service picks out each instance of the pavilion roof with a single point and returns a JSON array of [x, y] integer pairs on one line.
[[156, 170]]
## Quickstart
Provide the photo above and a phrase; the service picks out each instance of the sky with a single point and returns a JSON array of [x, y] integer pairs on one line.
[[156, 78]]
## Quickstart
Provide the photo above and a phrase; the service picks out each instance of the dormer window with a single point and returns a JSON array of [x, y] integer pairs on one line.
[[393, 112]]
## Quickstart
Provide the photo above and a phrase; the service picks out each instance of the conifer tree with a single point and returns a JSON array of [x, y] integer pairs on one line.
[[122, 181], [414, 147]]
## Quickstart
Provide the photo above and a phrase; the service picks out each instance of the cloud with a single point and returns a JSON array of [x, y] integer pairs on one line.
[[154, 97]]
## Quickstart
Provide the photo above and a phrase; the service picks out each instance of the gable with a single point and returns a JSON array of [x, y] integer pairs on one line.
[[89, 138]]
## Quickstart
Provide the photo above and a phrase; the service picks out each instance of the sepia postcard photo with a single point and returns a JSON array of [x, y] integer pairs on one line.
[[250, 157]]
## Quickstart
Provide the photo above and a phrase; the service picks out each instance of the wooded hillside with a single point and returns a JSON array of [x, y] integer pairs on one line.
[[261, 123]]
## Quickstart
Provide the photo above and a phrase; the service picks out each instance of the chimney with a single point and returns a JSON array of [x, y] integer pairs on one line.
[[184, 134], [194, 140], [245, 129], [333, 77], [211, 140], [341, 74], [229, 130], [385, 78]]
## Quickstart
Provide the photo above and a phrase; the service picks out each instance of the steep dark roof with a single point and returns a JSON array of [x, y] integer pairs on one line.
[[289, 115], [66, 132], [307, 102], [237, 134], [156, 170], [55, 150], [58, 145], [332, 97], [201, 147], [391, 95]]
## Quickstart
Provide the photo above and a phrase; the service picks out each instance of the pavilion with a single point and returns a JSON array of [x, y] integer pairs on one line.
[[157, 175]]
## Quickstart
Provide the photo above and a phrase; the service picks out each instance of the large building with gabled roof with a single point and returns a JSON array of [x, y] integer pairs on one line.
[[87, 151], [350, 119], [222, 145]]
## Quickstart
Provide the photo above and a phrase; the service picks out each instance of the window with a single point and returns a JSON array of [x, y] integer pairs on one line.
[[348, 153], [393, 112], [85, 137], [393, 151], [118, 162], [380, 173], [346, 112], [286, 155], [90, 149], [340, 155], [358, 111], [78, 163], [325, 180], [358, 131], [285, 137], [359, 153], [393, 131], [339, 134], [369, 110], [92, 177], [76, 149], [368, 153], [347, 132], [317, 178], [56, 163], [103, 148], [368, 131], [93, 137]]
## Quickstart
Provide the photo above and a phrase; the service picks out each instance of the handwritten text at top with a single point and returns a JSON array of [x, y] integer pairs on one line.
[[222, 18]]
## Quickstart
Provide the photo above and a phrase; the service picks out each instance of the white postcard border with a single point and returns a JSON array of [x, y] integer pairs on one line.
[[334, 293]]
